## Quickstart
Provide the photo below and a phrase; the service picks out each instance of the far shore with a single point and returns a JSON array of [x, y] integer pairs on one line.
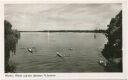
[[87, 31]]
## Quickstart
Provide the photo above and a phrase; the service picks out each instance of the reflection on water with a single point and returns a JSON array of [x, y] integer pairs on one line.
[[59, 52]]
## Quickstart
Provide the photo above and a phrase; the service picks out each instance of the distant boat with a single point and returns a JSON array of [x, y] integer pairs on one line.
[[70, 48], [94, 36], [63, 49]]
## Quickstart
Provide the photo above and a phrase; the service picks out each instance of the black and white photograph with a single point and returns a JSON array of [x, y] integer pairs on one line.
[[63, 38]]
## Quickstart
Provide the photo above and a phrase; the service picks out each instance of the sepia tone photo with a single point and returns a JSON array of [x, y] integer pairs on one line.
[[63, 38]]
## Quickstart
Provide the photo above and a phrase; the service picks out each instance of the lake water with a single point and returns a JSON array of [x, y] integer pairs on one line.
[[80, 52]]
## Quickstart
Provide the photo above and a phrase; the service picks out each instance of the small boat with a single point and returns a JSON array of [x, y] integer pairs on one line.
[[63, 49], [58, 54], [30, 50], [102, 63], [71, 49]]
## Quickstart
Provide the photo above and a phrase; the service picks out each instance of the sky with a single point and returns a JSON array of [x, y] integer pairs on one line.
[[37, 17]]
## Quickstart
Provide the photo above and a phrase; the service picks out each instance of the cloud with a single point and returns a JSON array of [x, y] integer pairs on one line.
[[60, 16]]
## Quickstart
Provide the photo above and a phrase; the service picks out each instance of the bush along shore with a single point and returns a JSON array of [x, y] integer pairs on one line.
[[11, 39], [113, 49]]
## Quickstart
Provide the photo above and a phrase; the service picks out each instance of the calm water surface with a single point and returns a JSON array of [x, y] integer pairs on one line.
[[80, 52]]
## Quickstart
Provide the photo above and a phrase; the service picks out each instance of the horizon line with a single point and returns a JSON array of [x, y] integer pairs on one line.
[[98, 31]]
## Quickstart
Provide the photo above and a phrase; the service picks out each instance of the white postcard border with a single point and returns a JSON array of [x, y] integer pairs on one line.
[[93, 75]]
